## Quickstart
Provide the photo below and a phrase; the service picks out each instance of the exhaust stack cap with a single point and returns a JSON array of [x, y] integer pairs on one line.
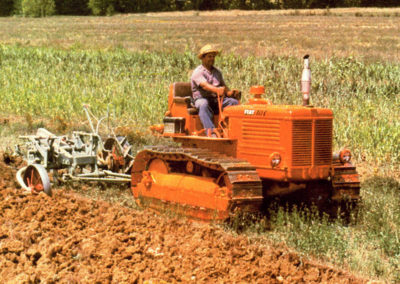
[[306, 61], [306, 81]]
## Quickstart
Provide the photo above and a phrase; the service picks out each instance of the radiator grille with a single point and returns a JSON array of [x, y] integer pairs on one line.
[[303, 153], [323, 142], [302, 142], [259, 136]]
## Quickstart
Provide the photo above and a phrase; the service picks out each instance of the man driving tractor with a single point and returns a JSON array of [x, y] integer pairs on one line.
[[207, 85]]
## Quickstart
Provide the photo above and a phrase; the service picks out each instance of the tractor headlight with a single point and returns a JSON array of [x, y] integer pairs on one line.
[[345, 156], [275, 159]]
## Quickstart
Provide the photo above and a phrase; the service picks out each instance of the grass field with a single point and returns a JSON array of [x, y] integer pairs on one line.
[[50, 67]]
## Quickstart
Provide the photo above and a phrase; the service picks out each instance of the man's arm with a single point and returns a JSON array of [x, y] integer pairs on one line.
[[216, 90]]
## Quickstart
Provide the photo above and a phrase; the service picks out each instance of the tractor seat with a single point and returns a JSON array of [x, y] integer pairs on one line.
[[182, 94]]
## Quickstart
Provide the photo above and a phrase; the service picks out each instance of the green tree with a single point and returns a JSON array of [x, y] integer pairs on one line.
[[17, 7], [297, 4], [72, 7], [38, 8], [6, 7], [352, 3], [102, 7]]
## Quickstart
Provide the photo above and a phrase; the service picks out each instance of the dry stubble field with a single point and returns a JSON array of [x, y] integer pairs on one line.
[[368, 33]]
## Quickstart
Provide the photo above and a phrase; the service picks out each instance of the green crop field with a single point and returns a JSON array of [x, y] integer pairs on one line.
[[50, 67]]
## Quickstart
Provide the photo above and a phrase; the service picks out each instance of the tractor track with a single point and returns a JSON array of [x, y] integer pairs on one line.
[[245, 187], [346, 182]]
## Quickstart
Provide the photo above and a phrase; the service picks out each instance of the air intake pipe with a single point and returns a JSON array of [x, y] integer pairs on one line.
[[306, 81]]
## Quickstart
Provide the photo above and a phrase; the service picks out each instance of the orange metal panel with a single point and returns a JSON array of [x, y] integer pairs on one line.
[[301, 135], [220, 145], [188, 191]]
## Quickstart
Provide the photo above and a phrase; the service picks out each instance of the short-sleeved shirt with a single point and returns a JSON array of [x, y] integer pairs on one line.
[[200, 75]]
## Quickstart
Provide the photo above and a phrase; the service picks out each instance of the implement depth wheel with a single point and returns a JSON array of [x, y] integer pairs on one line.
[[36, 178]]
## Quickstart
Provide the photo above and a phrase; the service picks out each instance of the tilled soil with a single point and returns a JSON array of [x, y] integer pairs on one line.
[[69, 239]]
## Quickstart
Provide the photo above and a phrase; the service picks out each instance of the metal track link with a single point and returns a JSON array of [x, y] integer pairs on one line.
[[345, 183]]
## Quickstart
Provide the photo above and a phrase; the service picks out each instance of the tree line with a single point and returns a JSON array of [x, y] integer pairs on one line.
[[42, 8]]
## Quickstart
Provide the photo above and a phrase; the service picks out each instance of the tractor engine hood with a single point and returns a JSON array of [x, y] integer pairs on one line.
[[284, 142]]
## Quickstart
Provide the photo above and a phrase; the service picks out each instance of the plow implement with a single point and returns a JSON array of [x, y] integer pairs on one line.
[[81, 157]]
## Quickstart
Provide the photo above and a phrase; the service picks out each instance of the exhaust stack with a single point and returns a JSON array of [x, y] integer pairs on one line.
[[306, 81]]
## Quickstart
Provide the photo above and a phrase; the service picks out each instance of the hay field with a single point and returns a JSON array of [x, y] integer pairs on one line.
[[368, 33]]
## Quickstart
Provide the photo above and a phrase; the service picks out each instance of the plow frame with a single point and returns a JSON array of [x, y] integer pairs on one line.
[[81, 157]]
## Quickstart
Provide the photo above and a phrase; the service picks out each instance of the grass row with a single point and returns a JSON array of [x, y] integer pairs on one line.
[[55, 83]]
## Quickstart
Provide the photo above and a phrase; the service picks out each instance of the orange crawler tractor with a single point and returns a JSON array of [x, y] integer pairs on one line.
[[261, 151]]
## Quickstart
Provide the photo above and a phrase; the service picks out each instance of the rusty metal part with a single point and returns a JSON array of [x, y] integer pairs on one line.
[[116, 155], [216, 187]]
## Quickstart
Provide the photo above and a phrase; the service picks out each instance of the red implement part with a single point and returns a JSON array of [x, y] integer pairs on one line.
[[116, 155], [36, 179], [33, 181]]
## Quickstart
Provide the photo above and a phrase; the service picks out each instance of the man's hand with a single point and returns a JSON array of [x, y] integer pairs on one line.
[[220, 91]]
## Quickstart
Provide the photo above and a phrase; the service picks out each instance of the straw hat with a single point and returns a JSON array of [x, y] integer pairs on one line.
[[208, 48]]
